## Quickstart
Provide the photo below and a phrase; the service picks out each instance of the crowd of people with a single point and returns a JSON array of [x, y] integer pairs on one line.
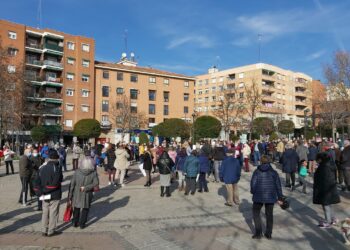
[[192, 166]]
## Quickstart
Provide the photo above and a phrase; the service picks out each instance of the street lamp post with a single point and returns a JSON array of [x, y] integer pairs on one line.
[[193, 139], [305, 122]]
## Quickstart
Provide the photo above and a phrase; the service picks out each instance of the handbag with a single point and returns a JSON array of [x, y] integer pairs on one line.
[[68, 212]]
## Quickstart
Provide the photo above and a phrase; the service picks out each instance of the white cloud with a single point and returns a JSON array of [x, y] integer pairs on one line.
[[315, 55], [201, 41]]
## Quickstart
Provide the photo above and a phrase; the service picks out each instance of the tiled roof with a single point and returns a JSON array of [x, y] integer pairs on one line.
[[141, 69]]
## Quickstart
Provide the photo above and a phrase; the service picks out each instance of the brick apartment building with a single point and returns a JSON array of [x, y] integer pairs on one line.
[[285, 94], [158, 94], [58, 72]]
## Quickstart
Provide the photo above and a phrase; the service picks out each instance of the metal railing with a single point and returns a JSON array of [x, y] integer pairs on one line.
[[34, 62], [53, 47], [34, 45], [53, 63]]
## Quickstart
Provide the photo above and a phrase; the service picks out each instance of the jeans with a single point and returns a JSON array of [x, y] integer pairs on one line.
[[203, 182], [24, 190], [181, 179], [290, 176], [75, 164], [217, 165], [190, 185], [80, 216], [63, 164], [232, 193], [9, 164], [257, 218], [302, 179], [148, 176], [328, 213], [256, 158]]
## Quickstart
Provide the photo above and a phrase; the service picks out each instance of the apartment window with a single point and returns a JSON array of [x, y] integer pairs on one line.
[[133, 94], [166, 81], [70, 60], [12, 35], [105, 74], [241, 85], [85, 93], [151, 109], [69, 92], [12, 51], [70, 76], [85, 47], [151, 95], [221, 79], [213, 89], [186, 84], [241, 95], [166, 110], [206, 91], [200, 83], [133, 78], [166, 96], [119, 105], [70, 45], [133, 109], [105, 106], [186, 97], [85, 78], [206, 99], [69, 107], [241, 75], [213, 80], [152, 80], [213, 98], [119, 76], [206, 81], [11, 69], [85, 108], [86, 63], [105, 118], [120, 91], [200, 92], [69, 123], [105, 91], [151, 120], [185, 110]]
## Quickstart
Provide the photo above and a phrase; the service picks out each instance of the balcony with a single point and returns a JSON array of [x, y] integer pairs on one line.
[[55, 98], [52, 65], [106, 125], [34, 47], [268, 98], [34, 63], [44, 112], [53, 49], [271, 109]]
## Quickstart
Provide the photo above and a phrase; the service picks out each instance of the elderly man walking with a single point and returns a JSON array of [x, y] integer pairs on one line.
[[290, 162], [230, 173]]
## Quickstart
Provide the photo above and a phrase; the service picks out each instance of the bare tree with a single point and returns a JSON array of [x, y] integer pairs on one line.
[[11, 93], [230, 108], [125, 116], [253, 102], [337, 106]]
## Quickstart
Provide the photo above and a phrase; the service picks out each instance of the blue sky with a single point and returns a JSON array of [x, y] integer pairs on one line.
[[189, 36]]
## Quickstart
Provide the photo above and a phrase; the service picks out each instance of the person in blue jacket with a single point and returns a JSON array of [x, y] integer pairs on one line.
[[230, 173], [191, 170], [44, 153], [203, 170], [266, 188]]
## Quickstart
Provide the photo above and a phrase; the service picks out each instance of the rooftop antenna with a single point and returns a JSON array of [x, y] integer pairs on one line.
[[126, 41], [39, 16], [259, 43]]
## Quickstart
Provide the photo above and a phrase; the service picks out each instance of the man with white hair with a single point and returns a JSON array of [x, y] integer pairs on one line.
[[345, 164]]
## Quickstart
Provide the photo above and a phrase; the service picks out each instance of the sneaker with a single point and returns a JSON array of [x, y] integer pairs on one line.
[[324, 225], [228, 204], [256, 236]]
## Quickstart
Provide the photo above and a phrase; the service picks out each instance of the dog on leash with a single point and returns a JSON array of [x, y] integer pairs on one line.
[[345, 228]]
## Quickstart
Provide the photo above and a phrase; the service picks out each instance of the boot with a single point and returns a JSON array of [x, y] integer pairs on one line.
[[161, 191], [167, 191]]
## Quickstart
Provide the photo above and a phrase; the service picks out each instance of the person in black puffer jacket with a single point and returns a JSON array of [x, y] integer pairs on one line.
[[290, 162], [218, 156], [48, 184], [325, 188], [110, 164], [165, 164], [266, 188]]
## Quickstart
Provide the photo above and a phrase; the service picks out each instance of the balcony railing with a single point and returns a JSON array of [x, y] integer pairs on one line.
[[34, 46], [44, 111], [52, 95], [53, 47], [53, 64], [34, 62], [32, 77], [53, 79]]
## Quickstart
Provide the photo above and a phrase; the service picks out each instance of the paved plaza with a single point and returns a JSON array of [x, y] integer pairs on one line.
[[135, 217]]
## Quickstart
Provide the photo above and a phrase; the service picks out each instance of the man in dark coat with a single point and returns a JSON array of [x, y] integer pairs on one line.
[[290, 161], [25, 169], [266, 188], [48, 186], [325, 188], [218, 156], [230, 173]]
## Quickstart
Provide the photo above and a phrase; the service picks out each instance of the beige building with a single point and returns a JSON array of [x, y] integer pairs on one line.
[[284, 94], [158, 94], [58, 73]]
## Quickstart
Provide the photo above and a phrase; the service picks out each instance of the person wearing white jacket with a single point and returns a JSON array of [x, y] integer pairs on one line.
[[8, 155], [246, 154]]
